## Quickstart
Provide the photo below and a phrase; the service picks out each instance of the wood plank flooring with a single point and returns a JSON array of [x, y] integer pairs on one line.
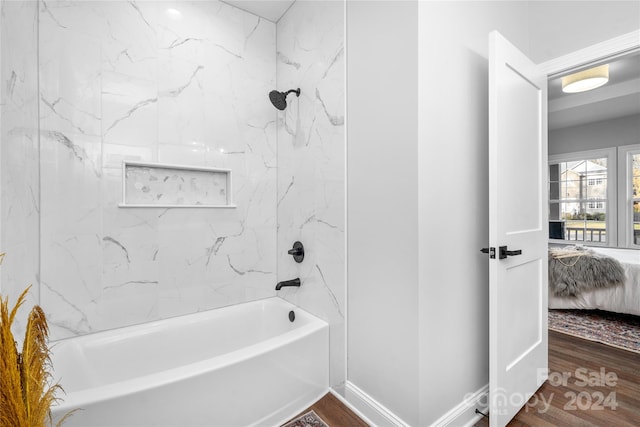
[[574, 403], [334, 413], [557, 404]]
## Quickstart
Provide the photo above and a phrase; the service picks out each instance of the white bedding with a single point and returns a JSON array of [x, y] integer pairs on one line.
[[619, 299]]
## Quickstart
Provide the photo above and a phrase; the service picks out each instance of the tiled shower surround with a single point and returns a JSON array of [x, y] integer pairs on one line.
[[19, 170], [180, 83], [171, 82], [311, 153]]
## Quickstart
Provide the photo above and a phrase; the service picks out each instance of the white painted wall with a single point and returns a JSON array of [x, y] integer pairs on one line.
[[382, 202], [454, 209], [605, 134]]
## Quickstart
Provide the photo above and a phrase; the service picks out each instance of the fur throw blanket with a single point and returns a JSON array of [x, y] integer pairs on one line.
[[574, 269]]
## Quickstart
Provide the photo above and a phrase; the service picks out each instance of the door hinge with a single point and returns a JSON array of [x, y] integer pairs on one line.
[[490, 251]]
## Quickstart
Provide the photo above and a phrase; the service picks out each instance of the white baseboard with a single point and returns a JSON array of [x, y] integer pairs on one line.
[[375, 414], [369, 409], [464, 414]]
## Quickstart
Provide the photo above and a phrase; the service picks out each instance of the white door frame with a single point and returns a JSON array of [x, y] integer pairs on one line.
[[615, 47]]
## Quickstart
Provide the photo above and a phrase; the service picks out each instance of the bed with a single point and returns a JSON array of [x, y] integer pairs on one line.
[[624, 298]]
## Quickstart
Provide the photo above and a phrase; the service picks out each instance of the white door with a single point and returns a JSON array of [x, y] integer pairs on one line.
[[518, 339]]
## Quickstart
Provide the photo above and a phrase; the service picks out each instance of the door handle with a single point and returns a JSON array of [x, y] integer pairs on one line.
[[503, 252]]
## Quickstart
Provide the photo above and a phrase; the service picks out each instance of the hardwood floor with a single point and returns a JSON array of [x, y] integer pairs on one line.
[[601, 378], [334, 413]]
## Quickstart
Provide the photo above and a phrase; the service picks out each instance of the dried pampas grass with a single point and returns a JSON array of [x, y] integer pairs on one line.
[[26, 394]]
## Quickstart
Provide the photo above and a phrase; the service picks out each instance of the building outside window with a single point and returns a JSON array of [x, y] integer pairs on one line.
[[594, 197], [579, 195]]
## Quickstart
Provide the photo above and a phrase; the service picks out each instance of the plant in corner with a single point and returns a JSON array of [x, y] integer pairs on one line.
[[26, 394]]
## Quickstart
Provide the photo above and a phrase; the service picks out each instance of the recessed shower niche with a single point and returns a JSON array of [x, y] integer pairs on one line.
[[175, 186]]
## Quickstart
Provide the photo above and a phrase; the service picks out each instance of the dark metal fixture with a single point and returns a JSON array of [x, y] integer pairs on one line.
[[292, 282], [297, 252], [505, 253], [279, 99], [490, 251], [502, 254]]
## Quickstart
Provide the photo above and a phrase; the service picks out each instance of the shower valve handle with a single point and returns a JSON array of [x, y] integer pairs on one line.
[[297, 252]]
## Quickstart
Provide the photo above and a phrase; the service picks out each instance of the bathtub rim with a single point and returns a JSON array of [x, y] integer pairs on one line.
[[92, 335]]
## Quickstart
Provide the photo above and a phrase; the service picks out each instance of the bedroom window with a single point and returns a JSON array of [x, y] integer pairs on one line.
[[635, 198], [581, 198], [594, 197], [629, 195]]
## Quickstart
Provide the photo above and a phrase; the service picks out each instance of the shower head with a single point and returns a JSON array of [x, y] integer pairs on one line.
[[279, 99]]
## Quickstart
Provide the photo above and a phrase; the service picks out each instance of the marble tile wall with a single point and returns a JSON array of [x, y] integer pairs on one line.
[[179, 82], [311, 165], [19, 156]]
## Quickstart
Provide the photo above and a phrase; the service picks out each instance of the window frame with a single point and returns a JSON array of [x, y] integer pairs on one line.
[[625, 195], [611, 222]]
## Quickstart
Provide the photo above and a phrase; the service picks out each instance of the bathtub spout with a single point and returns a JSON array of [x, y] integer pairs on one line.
[[292, 282]]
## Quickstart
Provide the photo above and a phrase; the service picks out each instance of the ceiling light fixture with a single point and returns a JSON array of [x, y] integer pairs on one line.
[[586, 80]]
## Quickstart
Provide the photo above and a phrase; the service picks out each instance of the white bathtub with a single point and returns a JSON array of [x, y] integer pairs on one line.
[[242, 365]]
